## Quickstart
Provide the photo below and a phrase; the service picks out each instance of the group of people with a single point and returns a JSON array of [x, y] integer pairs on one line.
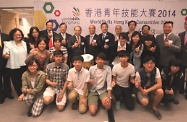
[[47, 67]]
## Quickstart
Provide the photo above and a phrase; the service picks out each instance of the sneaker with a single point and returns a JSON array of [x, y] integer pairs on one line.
[[175, 101], [117, 105], [29, 113], [156, 113], [75, 105]]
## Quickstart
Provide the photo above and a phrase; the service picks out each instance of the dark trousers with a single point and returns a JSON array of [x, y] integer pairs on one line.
[[182, 80], [16, 75], [119, 92], [5, 87], [169, 97]]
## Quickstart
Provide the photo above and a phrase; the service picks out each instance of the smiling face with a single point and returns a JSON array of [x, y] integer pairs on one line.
[[78, 64], [35, 33], [168, 28], [135, 39], [33, 68], [42, 45], [17, 36], [149, 66], [63, 28], [104, 28]]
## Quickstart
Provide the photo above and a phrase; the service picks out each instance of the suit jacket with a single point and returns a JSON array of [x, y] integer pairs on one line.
[[4, 37], [168, 53], [76, 50], [183, 54], [66, 39], [39, 86], [109, 40], [93, 50], [44, 33]]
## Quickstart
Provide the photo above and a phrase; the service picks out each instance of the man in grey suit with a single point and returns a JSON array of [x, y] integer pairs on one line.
[[168, 43]]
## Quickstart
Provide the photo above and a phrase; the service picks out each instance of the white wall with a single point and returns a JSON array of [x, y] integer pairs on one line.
[[25, 24], [29, 3]]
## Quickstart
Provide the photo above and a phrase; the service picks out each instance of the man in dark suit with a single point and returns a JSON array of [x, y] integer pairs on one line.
[[183, 55], [5, 88], [76, 43], [64, 36], [132, 26], [168, 43], [106, 40], [48, 34], [91, 43]]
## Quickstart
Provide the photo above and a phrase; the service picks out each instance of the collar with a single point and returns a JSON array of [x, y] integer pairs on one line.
[[92, 35], [55, 66], [120, 45], [77, 71], [63, 34], [95, 67], [167, 34]]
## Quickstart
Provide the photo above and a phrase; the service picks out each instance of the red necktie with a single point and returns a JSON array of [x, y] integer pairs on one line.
[[51, 41]]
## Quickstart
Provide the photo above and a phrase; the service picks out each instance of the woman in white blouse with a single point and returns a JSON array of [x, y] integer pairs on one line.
[[16, 53]]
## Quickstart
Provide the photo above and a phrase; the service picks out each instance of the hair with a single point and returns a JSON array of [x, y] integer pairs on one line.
[[148, 58], [104, 23], [149, 38], [58, 52], [42, 39], [146, 26], [168, 22], [57, 38], [174, 62], [32, 60], [124, 36], [78, 58], [101, 56], [49, 22], [134, 34], [79, 27], [13, 31], [131, 22], [31, 31], [123, 53], [63, 24]]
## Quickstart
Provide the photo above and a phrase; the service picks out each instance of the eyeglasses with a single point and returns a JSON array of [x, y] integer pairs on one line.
[[33, 66], [17, 35], [149, 63]]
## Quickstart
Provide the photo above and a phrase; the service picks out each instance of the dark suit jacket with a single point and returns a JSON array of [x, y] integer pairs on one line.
[[44, 33], [66, 39], [93, 50], [110, 37], [183, 54], [168, 53], [114, 52], [4, 37], [77, 50]]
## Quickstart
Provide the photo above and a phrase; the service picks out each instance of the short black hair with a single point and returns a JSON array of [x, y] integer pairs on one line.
[[131, 22], [32, 60], [57, 38], [78, 58], [146, 26], [79, 27], [104, 23], [63, 23], [101, 56], [148, 38], [42, 39], [174, 62], [123, 53], [58, 52], [168, 22], [124, 36], [11, 34], [49, 22], [148, 58]]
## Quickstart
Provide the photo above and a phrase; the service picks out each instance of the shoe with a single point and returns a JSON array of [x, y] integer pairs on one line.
[[175, 101], [29, 114], [75, 105], [10, 96], [2, 100], [156, 113], [117, 105]]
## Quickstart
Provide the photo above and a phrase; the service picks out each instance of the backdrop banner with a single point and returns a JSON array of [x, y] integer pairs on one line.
[[85, 13]]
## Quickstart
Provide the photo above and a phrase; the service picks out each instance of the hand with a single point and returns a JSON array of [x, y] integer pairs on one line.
[[29, 91], [31, 46], [137, 50], [63, 42], [106, 46], [167, 43], [70, 85], [144, 92], [91, 81], [20, 98], [76, 44], [152, 49], [137, 84], [130, 35], [83, 101], [59, 97], [6, 56], [93, 43], [113, 83], [169, 91], [54, 84]]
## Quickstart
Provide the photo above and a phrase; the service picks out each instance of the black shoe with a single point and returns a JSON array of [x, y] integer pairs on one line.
[[2, 100], [10, 96], [175, 101], [29, 114], [156, 113]]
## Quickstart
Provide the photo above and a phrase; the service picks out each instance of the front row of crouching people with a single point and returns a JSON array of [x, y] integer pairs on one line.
[[86, 88]]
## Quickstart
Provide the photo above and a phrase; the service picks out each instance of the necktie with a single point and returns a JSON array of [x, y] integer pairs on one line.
[[103, 37], [0, 42], [51, 41], [185, 40], [166, 39], [78, 40], [91, 38]]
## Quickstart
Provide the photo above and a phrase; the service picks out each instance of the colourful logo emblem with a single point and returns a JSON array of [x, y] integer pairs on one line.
[[76, 12]]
